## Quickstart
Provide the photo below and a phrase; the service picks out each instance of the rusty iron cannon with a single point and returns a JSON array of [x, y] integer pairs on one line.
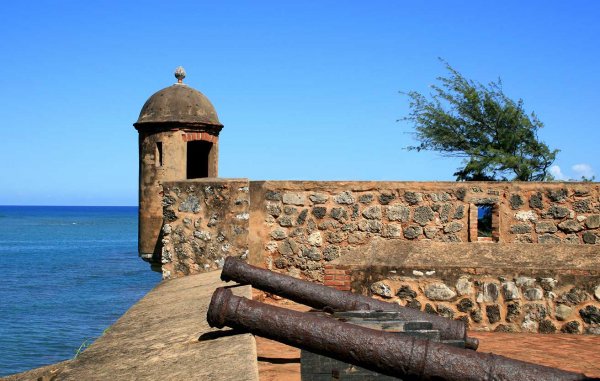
[[392, 354], [319, 296]]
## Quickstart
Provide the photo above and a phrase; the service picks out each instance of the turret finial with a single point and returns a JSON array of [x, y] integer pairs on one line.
[[180, 74]]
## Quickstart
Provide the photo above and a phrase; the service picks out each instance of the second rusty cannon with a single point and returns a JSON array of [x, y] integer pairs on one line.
[[406, 357], [319, 296]]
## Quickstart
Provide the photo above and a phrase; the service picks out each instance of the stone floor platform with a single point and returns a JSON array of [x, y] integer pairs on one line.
[[158, 339]]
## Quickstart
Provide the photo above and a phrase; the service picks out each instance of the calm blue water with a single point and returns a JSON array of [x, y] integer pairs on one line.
[[66, 274]]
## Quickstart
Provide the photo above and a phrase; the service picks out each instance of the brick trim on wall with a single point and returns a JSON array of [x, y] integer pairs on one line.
[[337, 276], [193, 136]]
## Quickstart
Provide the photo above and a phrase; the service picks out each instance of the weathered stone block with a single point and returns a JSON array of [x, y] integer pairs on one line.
[[535, 311], [339, 214], [405, 292], [520, 228], [439, 291], [465, 305], [445, 212], [545, 227], [190, 204], [548, 238], [563, 312], [464, 286], [302, 217], [582, 206], [311, 253], [319, 211], [591, 238], [398, 213], [590, 314], [366, 198], [413, 198], [315, 239], [344, 198], [533, 294], [422, 215], [288, 247], [546, 326], [273, 209], [526, 215], [413, 231], [318, 198], [278, 234], [548, 284], [445, 311], [557, 195], [571, 327], [513, 311], [557, 212], [570, 226], [285, 221], [453, 227], [524, 281], [431, 231], [476, 316], [335, 237], [372, 213], [489, 293], [273, 196], [535, 201], [510, 291], [574, 296], [493, 313], [459, 213], [515, 201], [391, 231], [382, 289], [331, 252], [294, 198], [592, 221], [386, 198]]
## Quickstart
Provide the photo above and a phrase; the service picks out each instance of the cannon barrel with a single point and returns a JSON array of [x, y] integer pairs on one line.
[[396, 355], [319, 296]]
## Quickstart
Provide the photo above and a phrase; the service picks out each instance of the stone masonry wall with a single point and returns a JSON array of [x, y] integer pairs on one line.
[[205, 220], [553, 301], [304, 225], [309, 229]]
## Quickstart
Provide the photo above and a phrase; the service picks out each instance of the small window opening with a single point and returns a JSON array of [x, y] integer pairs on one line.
[[484, 222], [159, 154], [197, 158]]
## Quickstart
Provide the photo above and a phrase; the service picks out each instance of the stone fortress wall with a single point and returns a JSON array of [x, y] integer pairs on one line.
[[499, 255], [414, 243]]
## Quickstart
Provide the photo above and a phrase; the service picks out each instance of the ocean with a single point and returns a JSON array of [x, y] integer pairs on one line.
[[66, 274]]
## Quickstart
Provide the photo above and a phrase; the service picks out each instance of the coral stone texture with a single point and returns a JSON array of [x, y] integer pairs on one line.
[[538, 272]]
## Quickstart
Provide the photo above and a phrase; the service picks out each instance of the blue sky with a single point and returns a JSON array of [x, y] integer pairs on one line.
[[306, 90]]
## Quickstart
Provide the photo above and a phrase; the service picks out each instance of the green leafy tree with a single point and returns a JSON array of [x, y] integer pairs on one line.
[[494, 134]]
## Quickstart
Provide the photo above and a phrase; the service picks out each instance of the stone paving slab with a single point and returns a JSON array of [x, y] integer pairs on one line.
[[158, 339]]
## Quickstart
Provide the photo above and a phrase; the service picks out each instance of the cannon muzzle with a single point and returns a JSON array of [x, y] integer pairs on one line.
[[319, 296]]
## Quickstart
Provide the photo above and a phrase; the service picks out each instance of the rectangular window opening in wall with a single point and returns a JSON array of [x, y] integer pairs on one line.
[[485, 215], [197, 158], [159, 154]]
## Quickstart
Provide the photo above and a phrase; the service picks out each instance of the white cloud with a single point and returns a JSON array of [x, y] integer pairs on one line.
[[583, 170], [557, 173]]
